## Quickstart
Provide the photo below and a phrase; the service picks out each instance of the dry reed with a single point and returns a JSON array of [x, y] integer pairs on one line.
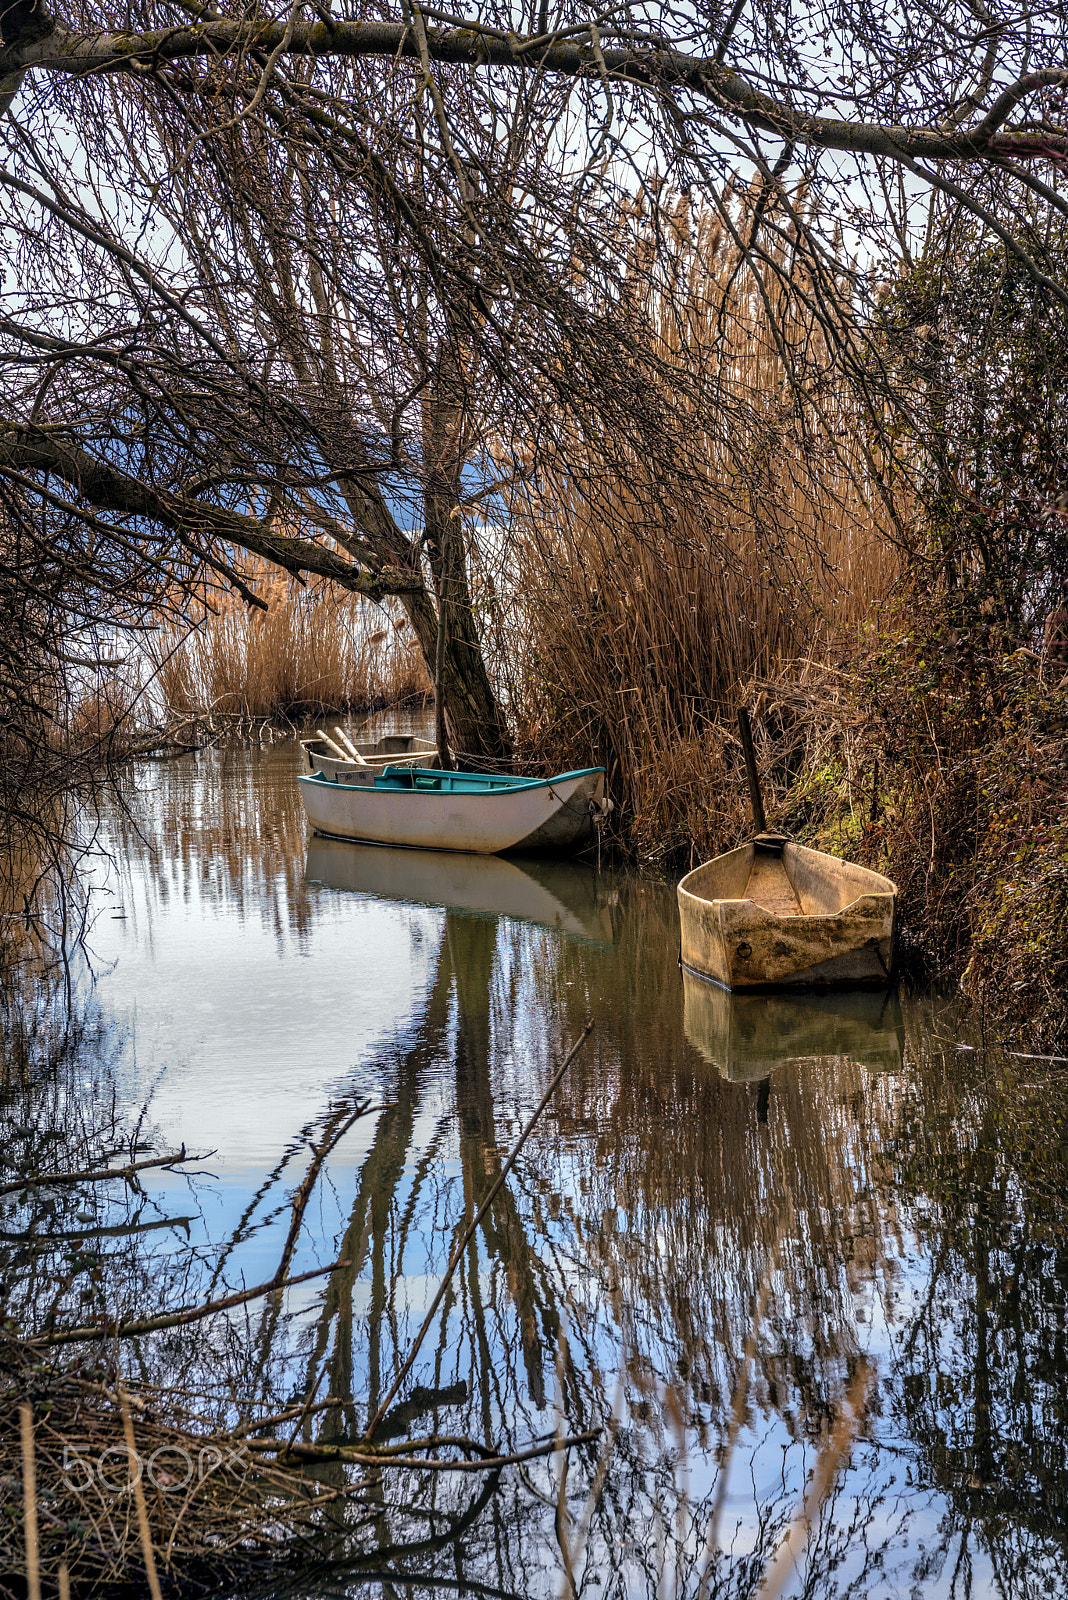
[[92, 1523], [315, 649], [29, 1500], [645, 613]]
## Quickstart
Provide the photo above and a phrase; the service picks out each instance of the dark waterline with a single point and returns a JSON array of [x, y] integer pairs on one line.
[[748, 1240]]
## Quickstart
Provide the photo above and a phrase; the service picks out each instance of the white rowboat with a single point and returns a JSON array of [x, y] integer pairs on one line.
[[485, 813]]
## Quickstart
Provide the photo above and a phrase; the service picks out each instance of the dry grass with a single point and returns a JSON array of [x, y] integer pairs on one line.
[[314, 649], [233, 1521], [646, 614]]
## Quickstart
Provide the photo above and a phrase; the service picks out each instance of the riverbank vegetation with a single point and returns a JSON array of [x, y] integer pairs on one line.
[[313, 650], [896, 624], [647, 612]]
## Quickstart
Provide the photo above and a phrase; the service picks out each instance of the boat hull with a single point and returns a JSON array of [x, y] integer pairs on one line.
[[552, 815], [838, 934]]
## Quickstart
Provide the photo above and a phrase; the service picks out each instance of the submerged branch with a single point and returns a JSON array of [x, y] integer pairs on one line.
[[92, 1174], [111, 1328], [486, 1462]]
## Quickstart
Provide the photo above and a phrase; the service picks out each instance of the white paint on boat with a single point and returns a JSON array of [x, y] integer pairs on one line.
[[440, 813]]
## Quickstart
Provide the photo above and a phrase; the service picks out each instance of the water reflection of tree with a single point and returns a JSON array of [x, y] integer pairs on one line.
[[652, 1213], [236, 836], [655, 1212], [476, 1384], [539, 1250], [981, 1160]]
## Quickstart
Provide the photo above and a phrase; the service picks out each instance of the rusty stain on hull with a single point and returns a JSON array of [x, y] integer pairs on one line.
[[787, 917]]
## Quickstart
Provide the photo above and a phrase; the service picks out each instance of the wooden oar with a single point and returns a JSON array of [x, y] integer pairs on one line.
[[751, 769], [342, 755], [351, 748]]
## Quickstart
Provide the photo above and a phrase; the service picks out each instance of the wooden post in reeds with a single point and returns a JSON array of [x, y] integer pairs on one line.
[[751, 770], [29, 1502]]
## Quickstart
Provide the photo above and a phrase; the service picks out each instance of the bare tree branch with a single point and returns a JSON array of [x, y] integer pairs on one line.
[[664, 69], [108, 489]]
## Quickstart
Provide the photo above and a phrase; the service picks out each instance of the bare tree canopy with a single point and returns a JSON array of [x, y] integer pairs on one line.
[[313, 286]]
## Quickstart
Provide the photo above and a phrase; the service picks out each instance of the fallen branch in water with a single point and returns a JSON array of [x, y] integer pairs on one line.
[[304, 1454], [109, 1328], [41, 1243]]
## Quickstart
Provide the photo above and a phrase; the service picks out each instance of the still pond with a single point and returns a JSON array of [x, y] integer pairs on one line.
[[760, 1247]]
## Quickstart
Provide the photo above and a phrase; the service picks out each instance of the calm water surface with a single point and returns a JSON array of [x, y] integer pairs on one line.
[[750, 1241]]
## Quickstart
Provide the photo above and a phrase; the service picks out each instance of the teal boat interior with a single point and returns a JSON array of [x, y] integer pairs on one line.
[[432, 781]]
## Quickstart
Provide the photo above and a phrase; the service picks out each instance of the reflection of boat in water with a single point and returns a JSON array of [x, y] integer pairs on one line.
[[555, 894], [484, 812], [774, 914], [745, 1036]]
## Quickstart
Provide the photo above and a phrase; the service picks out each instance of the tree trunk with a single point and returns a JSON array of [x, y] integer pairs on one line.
[[476, 725]]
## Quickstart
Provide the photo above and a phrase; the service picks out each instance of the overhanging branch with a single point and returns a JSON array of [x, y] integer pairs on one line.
[[662, 69], [106, 488]]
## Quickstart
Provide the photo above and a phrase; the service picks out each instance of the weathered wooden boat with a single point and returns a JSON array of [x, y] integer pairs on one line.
[[562, 895], [328, 756], [481, 812], [746, 1037], [775, 915]]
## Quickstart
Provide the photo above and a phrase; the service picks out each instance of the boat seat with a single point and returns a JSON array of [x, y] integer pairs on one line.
[[770, 887]]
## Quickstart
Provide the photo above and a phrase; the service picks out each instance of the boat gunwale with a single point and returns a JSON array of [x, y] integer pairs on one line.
[[889, 893], [792, 917], [509, 786]]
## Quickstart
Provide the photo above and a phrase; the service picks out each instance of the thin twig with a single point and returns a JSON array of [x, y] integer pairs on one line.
[[330, 1140], [833, 1456]]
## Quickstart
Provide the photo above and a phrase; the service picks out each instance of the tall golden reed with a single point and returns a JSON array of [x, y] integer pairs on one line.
[[316, 648], [643, 613]]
